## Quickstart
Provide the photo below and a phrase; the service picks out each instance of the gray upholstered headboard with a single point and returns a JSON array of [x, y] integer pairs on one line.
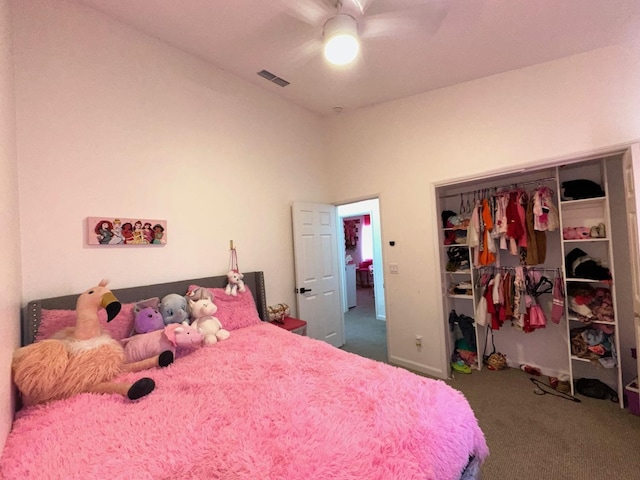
[[31, 312]]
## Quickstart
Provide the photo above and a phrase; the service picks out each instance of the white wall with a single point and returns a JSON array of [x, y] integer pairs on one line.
[[517, 118], [11, 297], [112, 122]]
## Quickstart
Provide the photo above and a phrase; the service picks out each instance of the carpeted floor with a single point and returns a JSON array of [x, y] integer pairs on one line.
[[531, 437], [546, 437], [364, 334]]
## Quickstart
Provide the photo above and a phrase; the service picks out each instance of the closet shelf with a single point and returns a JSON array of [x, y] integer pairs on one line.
[[587, 240], [580, 359], [453, 295], [587, 280], [449, 229], [455, 245], [583, 202], [461, 272], [575, 319]]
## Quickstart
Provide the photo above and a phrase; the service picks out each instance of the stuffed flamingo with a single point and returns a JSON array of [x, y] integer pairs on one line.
[[81, 359]]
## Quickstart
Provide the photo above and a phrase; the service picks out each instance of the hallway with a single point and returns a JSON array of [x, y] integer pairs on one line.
[[364, 334]]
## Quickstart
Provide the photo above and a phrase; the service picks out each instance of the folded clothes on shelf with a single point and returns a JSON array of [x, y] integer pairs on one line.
[[580, 265], [589, 304], [595, 343], [461, 288]]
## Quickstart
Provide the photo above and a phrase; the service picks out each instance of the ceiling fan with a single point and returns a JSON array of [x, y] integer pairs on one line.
[[339, 26]]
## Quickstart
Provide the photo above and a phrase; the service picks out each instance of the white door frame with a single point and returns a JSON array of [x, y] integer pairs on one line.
[[356, 208]]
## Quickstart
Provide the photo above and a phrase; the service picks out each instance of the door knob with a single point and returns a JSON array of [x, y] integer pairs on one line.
[[303, 290]]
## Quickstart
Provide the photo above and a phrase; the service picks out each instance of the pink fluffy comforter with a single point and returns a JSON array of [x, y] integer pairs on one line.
[[264, 404]]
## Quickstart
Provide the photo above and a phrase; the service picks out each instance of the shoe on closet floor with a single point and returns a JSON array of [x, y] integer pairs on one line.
[[460, 367]]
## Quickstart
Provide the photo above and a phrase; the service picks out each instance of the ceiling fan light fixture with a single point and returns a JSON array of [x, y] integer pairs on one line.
[[341, 44]]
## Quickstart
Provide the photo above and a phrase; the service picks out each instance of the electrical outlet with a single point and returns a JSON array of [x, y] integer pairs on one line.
[[393, 268], [418, 340]]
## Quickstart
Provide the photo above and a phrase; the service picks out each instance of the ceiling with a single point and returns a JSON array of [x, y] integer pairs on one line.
[[407, 46]]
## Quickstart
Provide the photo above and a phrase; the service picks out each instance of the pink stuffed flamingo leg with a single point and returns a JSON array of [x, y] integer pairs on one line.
[[133, 391], [162, 360]]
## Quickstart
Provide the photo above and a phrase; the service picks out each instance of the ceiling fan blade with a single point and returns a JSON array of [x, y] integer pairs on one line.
[[311, 12], [304, 52], [425, 17], [359, 6]]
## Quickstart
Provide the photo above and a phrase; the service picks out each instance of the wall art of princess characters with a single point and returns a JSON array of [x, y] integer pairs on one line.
[[126, 231]]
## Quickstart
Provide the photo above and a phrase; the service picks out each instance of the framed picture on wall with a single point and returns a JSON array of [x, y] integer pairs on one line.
[[126, 231]]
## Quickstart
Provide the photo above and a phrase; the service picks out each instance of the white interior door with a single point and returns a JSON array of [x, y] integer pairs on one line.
[[317, 271], [631, 169]]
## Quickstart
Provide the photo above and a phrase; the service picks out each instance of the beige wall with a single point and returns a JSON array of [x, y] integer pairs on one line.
[[514, 119], [11, 297], [114, 123]]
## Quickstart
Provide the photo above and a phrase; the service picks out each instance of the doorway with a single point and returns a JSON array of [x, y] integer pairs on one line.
[[360, 251]]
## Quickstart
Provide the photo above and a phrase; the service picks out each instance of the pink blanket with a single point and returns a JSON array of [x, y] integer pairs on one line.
[[264, 404]]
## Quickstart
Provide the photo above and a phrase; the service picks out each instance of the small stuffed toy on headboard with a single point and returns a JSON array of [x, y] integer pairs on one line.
[[235, 283]]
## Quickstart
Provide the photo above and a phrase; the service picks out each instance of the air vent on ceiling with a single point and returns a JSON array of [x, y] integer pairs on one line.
[[273, 78]]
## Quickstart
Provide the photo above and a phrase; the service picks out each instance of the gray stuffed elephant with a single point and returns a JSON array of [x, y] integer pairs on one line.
[[173, 308]]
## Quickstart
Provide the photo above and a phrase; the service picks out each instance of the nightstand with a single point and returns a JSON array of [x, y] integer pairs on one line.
[[294, 325]]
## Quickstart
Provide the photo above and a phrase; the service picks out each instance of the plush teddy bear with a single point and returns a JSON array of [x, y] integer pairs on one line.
[[201, 310], [235, 283], [173, 308], [147, 320]]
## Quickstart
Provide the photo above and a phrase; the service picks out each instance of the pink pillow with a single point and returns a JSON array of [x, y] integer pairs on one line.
[[52, 321], [234, 312]]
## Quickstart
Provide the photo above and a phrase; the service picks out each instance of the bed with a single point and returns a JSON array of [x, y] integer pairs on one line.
[[263, 404]]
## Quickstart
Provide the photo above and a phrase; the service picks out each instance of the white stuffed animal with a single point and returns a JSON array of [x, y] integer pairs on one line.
[[236, 284], [201, 310]]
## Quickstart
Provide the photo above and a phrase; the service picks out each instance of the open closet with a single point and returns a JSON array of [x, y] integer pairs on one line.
[[535, 265]]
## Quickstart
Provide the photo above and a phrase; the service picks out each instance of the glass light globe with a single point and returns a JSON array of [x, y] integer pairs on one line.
[[341, 49]]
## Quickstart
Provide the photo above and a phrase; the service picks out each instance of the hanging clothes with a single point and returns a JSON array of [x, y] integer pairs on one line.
[[546, 217], [557, 308], [519, 301], [536, 239], [494, 319], [501, 221], [486, 256], [514, 223], [473, 230], [506, 311]]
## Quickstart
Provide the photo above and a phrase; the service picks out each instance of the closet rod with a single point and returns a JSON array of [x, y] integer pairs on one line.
[[493, 267], [514, 184]]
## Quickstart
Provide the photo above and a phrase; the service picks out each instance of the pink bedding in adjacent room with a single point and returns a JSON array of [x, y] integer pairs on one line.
[[264, 404]]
